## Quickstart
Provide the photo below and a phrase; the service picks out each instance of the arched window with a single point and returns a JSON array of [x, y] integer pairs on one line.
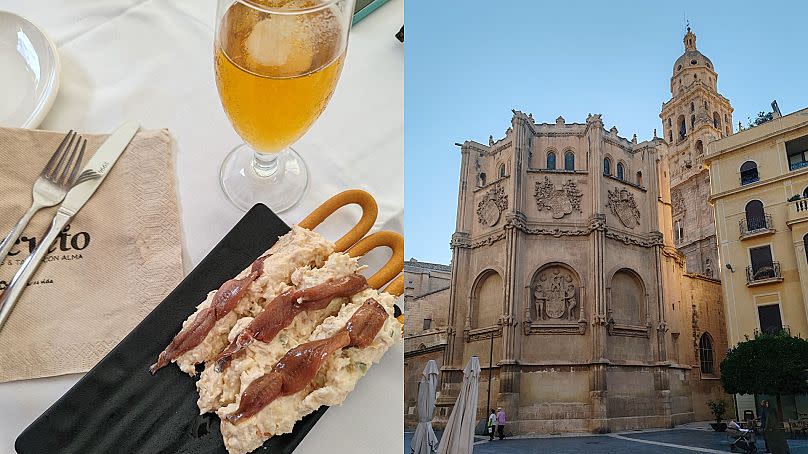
[[692, 122], [699, 148], [607, 166], [706, 354], [482, 178], [716, 121], [692, 107], [670, 136], [569, 160], [682, 127], [678, 232], [749, 173], [501, 170], [755, 216], [620, 170], [551, 160], [670, 122], [805, 193], [639, 179]]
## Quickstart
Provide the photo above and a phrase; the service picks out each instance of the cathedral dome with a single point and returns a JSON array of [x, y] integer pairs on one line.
[[692, 58]]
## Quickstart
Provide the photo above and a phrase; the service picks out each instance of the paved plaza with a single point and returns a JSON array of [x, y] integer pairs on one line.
[[684, 439]]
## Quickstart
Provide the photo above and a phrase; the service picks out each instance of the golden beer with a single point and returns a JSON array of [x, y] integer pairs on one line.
[[276, 74]]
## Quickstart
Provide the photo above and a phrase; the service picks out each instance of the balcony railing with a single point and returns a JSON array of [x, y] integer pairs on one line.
[[797, 165], [797, 211], [755, 226], [763, 274]]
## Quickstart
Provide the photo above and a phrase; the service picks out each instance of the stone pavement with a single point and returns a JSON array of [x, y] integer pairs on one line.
[[691, 438]]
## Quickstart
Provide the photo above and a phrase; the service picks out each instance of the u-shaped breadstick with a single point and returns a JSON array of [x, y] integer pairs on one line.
[[352, 196], [393, 266], [396, 287]]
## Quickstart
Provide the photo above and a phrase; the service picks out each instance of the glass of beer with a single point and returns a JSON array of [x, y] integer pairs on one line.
[[277, 63]]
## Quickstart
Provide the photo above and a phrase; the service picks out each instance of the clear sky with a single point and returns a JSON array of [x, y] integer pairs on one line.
[[468, 63]]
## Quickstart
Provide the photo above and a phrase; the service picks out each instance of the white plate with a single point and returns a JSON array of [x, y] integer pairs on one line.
[[29, 78]]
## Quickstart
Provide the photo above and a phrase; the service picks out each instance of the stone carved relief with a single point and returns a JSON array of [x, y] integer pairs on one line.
[[554, 295], [677, 201], [560, 201], [492, 205], [624, 207]]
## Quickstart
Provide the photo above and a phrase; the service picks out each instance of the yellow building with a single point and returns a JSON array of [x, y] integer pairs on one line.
[[759, 186]]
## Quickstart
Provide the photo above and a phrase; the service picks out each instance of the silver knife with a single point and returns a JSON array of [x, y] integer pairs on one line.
[[88, 181]]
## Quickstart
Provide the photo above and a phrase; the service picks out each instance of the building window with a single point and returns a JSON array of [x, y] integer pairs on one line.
[[678, 232], [769, 319], [797, 153], [682, 127], [706, 354], [670, 136], [639, 179], [805, 193], [620, 170], [692, 107], [501, 170], [755, 216], [551, 160], [670, 122], [763, 266], [569, 161], [482, 178], [692, 122], [607, 166], [749, 173], [427, 323], [716, 121], [699, 148]]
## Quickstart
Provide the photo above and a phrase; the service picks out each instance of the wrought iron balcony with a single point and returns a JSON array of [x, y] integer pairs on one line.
[[756, 226], [763, 274], [797, 165]]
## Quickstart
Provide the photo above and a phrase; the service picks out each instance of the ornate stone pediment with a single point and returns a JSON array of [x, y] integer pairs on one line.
[[490, 208], [622, 204], [559, 200]]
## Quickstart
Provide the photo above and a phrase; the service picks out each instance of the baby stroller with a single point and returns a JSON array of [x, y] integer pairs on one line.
[[743, 439]]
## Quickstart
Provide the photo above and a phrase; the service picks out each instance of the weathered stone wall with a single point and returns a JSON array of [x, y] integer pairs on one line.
[[432, 306]]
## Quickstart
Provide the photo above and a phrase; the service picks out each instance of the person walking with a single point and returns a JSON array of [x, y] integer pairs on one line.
[[501, 423], [762, 416], [492, 424]]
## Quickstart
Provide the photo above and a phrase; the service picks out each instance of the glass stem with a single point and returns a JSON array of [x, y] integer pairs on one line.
[[265, 164]]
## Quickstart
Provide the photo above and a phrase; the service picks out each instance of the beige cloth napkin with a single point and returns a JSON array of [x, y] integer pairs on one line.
[[120, 257]]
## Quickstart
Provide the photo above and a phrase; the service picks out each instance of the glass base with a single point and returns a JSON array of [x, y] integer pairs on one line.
[[278, 180]]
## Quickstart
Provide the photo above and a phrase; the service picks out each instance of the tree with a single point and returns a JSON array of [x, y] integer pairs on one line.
[[768, 364], [762, 117]]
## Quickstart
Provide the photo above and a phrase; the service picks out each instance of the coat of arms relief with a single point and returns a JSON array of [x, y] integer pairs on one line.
[[554, 296], [622, 204], [558, 200], [555, 305], [490, 208]]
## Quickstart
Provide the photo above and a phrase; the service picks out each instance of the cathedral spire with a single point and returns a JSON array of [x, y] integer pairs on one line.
[[690, 39]]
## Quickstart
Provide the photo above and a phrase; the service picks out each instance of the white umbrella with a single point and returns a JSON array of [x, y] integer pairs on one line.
[[458, 438], [424, 441]]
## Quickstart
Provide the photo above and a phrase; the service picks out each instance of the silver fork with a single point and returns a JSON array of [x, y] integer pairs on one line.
[[58, 176]]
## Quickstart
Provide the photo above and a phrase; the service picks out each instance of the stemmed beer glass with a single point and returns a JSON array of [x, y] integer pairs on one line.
[[277, 63]]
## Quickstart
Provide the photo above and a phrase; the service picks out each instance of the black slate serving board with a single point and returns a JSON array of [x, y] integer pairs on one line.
[[119, 407]]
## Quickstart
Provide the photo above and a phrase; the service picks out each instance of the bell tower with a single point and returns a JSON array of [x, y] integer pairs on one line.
[[695, 115]]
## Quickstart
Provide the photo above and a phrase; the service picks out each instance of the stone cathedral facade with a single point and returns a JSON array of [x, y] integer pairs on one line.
[[569, 270]]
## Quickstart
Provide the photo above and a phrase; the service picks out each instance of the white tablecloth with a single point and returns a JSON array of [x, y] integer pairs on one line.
[[151, 61]]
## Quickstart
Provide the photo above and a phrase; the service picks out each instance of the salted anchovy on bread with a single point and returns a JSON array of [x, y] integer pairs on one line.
[[279, 313], [295, 371], [279, 327], [204, 334], [329, 366]]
